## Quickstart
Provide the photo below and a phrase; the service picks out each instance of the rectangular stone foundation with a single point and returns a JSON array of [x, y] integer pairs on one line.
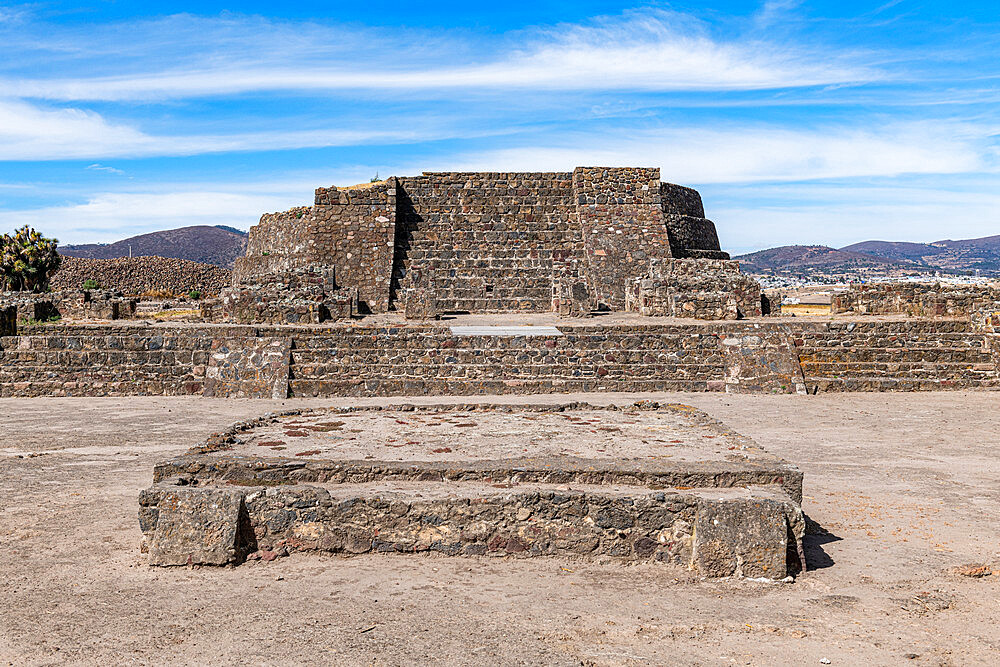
[[702, 497]]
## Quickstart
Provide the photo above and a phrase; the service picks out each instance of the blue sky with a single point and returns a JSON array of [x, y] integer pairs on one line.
[[800, 122]]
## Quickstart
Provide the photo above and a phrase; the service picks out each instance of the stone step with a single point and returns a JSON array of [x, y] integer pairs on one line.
[[875, 369], [504, 348], [940, 355], [464, 299], [445, 266], [111, 387], [859, 383], [716, 532], [690, 372], [957, 340], [503, 253], [91, 358], [355, 386], [523, 284], [492, 306], [476, 352], [90, 374]]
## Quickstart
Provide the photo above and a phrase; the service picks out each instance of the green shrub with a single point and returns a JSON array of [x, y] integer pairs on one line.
[[27, 260], [194, 294], [90, 284], [32, 322]]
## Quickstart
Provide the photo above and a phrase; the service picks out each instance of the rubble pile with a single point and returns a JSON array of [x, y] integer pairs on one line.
[[138, 276]]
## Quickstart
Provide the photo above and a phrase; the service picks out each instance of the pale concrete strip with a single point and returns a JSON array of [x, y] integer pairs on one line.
[[505, 331]]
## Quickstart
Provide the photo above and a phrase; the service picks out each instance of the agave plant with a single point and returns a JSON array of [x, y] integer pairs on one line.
[[27, 260]]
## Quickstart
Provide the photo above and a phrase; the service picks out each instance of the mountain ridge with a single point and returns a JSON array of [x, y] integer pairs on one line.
[[219, 245], [949, 256]]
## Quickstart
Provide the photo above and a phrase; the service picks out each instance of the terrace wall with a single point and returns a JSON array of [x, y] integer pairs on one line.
[[59, 360], [916, 299]]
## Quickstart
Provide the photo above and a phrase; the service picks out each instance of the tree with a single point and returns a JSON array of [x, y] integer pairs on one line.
[[27, 260]]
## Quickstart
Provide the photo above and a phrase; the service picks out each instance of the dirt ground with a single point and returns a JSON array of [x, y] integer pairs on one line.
[[901, 487]]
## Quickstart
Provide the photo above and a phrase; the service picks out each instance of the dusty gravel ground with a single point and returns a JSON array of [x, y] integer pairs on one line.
[[901, 487]]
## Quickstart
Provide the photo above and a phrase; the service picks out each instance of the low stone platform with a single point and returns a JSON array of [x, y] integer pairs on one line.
[[491, 355], [642, 482]]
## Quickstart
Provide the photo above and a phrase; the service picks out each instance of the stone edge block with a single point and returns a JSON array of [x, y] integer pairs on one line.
[[753, 538], [192, 526]]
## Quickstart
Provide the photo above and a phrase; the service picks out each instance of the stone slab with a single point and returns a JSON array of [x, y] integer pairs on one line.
[[505, 331], [762, 361]]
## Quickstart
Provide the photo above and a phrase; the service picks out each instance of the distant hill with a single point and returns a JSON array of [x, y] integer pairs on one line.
[[209, 245], [962, 255], [811, 257]]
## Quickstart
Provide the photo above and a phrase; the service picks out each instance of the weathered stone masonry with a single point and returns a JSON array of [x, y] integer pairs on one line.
[[344, 360], [488, 241]]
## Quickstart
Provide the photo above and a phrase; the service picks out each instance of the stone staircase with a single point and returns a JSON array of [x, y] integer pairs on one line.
[[431, 360], [896, 356], [492, 253]]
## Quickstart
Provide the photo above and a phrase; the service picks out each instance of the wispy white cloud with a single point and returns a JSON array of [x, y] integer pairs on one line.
[[101, 167], [757, 152], [109, 217], [656, 51], [31, 132], [772, 11]]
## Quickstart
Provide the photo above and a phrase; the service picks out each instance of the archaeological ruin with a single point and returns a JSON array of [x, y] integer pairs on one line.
[[599, 279], [459, 284]]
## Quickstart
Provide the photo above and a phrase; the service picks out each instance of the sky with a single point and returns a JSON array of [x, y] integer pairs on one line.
[[825, 122]]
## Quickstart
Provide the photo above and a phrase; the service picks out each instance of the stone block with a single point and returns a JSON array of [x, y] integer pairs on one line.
[[248, 368], [421, 304], [703, 289], [763, 361], [192, 526], [571, 297], [748, 538]]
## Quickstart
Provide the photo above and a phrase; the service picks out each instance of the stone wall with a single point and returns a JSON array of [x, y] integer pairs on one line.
[[909, 355], [70, 304], [29, 306], [357, 230], [352, 360], [94, 305], [704, 289], [108, 360], [137, 276], [351, 231], [915, 299], [302, 295], [623, 228]]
